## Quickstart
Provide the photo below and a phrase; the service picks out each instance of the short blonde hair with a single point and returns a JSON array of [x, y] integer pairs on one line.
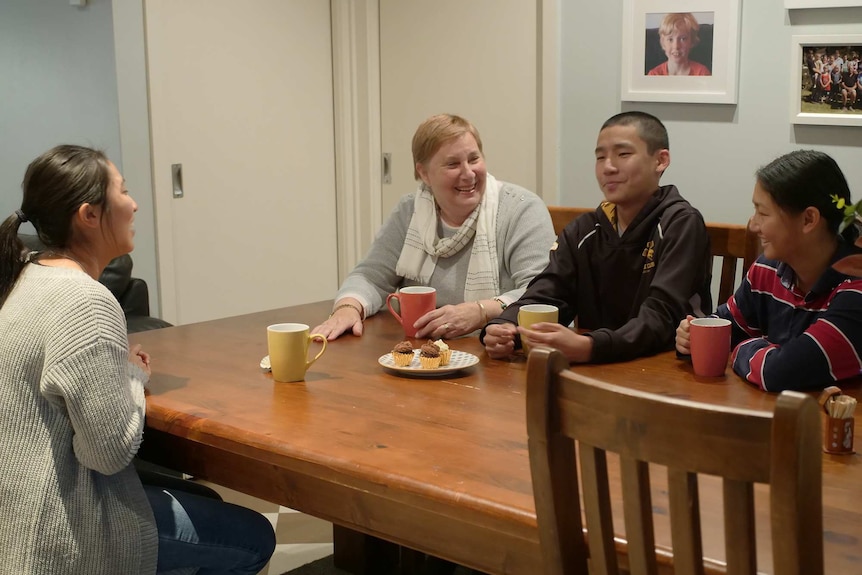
[[683, 21], [434, 132]]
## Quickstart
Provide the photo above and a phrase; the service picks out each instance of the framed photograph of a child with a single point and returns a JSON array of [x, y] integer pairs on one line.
[[827, 85], [680, 51]]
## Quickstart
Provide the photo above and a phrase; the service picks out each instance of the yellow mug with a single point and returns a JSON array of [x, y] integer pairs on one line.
[[536, 313], [288, 350]]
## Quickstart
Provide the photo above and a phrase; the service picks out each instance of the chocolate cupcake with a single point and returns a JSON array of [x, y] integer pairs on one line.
[[402, 354], [429, 356]]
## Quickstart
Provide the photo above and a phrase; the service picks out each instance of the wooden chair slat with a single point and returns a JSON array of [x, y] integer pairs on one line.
[[685, 522], [795, 495], [637, 506], [597, 508], [739, 533], [553, 464]]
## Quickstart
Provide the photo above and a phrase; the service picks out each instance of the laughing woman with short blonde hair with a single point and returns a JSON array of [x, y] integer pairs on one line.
[[477, 240]]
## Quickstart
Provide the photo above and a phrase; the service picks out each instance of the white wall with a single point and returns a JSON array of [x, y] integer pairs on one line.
[[715, 149], [58, 85]]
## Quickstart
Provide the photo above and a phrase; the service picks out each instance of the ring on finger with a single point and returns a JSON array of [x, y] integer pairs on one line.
[[445, 327]]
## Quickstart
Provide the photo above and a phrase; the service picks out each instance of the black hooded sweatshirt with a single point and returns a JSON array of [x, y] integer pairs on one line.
[[632, 290]]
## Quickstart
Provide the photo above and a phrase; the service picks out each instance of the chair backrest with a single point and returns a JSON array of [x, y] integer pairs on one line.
[[562, 215], [733, 243], [740, 446]]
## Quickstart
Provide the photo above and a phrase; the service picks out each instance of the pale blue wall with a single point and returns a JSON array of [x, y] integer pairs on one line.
[[58, 84], [715, 149]]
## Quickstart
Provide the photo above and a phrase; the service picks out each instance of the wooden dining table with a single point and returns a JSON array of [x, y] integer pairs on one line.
[[436, 464]]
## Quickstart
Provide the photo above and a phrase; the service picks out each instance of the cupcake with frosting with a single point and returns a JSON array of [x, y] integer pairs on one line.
[[445, 352], [402, 354], [429, 356]]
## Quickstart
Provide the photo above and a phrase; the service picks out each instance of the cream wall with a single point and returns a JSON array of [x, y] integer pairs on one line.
[[715, 149]]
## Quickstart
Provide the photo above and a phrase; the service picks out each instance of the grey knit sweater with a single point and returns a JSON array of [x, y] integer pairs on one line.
[[524, 239], [71, 419]]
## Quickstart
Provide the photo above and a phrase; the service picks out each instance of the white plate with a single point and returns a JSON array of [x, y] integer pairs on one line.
[[459, 360]]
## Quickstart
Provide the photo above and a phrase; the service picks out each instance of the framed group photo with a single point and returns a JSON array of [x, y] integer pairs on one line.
[[680, 51], [790, 4], [826, 84]]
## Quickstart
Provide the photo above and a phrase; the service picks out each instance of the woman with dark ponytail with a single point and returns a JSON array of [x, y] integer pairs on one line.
[[72, 400], [797, 320]]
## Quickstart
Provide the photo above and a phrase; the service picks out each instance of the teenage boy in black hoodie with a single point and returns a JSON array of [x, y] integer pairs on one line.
[[627, 272]]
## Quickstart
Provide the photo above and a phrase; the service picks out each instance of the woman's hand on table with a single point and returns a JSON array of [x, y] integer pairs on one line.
[[683, 337], [500, 340], [343, 320], [140, 358], [450, 321], [576, 347]]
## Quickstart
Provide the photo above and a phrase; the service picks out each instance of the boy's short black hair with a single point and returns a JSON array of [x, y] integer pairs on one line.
[[650, 129]]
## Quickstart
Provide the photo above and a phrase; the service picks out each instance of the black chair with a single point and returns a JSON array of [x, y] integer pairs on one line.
[[132, 293]]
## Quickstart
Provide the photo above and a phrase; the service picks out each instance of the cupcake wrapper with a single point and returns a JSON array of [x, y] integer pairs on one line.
[[429, 362], [445, 356], [402, 359]]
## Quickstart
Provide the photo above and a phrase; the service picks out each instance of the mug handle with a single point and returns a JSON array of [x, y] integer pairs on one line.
[[389, 299], [312, 337]]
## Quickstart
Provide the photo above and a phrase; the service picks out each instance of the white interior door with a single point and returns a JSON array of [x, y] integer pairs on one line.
[[476, 59], [241, 97]]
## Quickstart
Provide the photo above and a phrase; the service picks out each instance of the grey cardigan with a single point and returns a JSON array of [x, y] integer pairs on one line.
[[71, 419], [524, 239]]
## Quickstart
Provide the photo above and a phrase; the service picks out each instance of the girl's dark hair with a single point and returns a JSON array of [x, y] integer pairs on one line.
[[808, 178], [55, 185]]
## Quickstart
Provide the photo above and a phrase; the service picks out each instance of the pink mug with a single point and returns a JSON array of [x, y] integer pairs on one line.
[[414, 302], [710, 345]]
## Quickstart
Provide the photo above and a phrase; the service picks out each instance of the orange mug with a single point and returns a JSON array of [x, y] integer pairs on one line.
[[414, 302]]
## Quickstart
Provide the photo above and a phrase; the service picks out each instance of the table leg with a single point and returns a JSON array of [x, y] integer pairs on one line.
[[411, 562], [363, 554]]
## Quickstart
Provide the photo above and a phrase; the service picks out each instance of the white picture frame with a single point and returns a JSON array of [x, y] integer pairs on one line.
[[812, 105], [794, 4], [641, 19]]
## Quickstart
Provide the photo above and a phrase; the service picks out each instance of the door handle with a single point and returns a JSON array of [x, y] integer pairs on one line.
[[387, 168], [177, 180]]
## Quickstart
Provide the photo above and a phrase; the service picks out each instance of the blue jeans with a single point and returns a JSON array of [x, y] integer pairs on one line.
[[202, 535]]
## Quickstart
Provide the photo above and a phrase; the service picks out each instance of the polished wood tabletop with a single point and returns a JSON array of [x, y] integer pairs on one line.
[[436, 464]]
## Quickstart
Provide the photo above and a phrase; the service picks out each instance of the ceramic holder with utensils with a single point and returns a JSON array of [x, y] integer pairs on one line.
[[838, 429]]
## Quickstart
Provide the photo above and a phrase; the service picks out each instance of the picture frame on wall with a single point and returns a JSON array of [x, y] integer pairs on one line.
[[792, 4], [680, 51], [822, 67]]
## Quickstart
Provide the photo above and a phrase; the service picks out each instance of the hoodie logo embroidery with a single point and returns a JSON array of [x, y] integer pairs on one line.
[[649, 255]]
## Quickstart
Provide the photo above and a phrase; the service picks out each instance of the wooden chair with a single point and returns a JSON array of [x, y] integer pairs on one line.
[[562, 215], [733, 243], [741, 446]]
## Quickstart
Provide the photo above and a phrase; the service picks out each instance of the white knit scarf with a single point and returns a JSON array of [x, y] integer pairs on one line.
[[422, 246]]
